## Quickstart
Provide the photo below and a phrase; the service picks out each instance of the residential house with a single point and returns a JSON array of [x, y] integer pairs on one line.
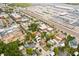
[[3, 15], [15, 16], [60, 36], [29, 45], [11, 34], [38, 52], [5, 20], [43, 26], [42, 43]]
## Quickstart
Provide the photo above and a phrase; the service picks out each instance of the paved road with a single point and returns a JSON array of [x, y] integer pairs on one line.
[[51, 22]]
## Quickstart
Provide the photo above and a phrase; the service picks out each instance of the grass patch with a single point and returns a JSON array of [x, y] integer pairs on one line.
[[22, 4]]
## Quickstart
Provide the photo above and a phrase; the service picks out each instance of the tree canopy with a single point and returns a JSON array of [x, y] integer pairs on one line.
[[10, 49], [29, 51], [56, 50], [33, 27]]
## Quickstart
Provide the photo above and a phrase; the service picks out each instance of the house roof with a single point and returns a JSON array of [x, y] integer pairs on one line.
[[43, 26], [62, 44], [32, 45], [15, 15], [60, 36]]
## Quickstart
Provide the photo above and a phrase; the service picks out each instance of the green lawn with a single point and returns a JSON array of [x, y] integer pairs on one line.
[[22, 4]]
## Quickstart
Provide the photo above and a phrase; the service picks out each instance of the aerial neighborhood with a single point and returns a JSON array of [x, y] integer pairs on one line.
[[38, 30]]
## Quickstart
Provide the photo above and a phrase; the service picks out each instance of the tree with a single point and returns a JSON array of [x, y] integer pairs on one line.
[[61, 49], [9, 9], [29, 36], [2, 47], [43, 34], [12, 49], [33, 27], [70, 51], [48, 45], [69, 38], [65, 33], [78, 48], [29, 51], [51, 35], [56, 50]]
